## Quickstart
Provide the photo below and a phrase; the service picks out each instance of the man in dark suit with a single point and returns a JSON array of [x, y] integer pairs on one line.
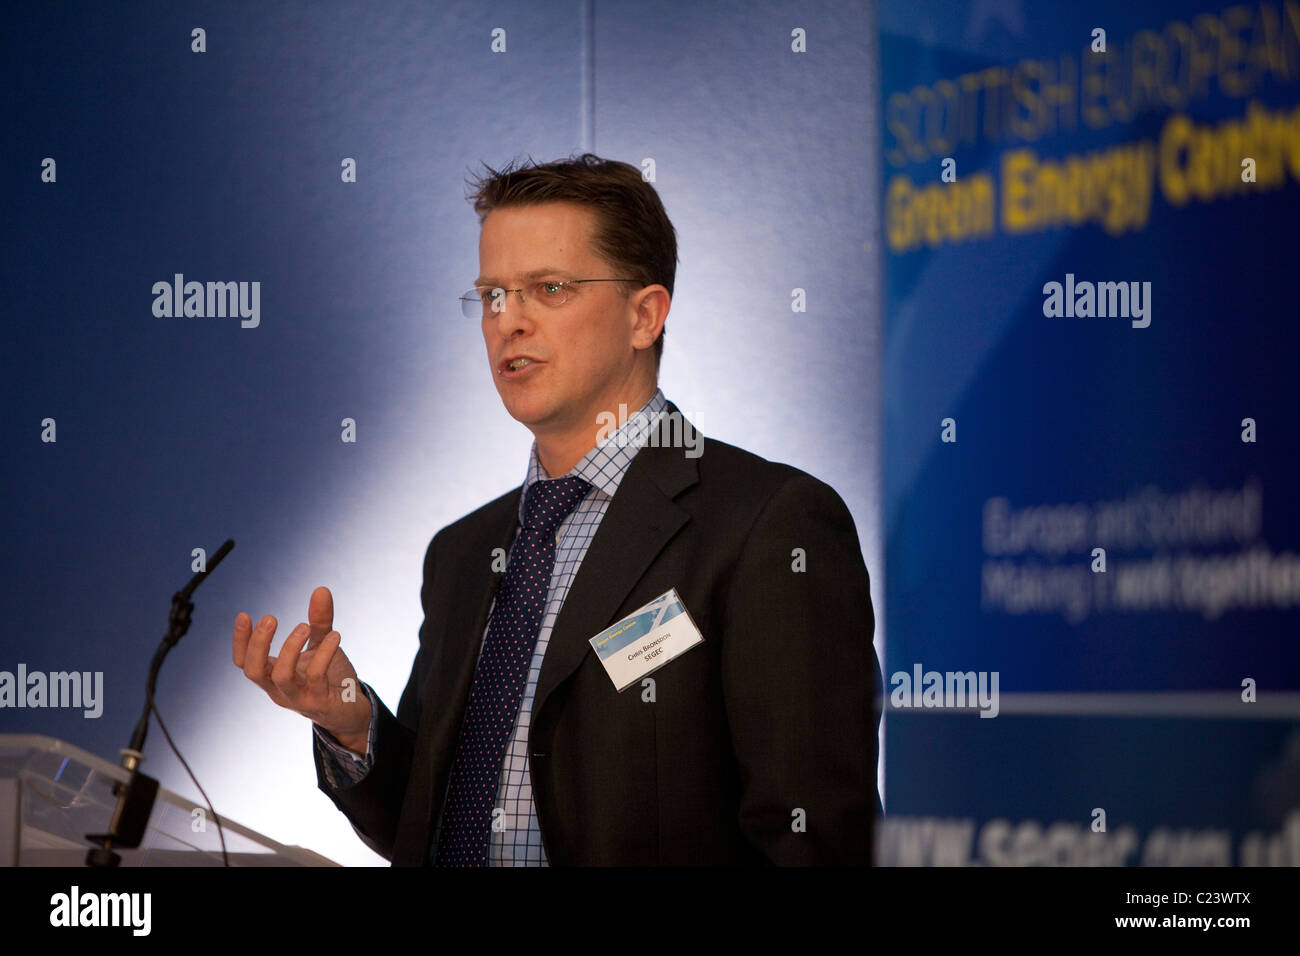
[[511, 743]]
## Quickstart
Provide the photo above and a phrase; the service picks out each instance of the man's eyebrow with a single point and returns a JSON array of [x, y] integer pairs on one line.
[[535, 274]]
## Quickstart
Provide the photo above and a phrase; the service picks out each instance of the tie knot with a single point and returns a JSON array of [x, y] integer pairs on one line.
[[549, 502]]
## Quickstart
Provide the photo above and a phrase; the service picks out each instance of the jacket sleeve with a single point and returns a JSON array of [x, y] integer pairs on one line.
[[373, 803], [800, 679]]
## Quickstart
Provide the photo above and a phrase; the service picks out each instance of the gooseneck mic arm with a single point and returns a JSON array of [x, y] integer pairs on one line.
[[135, 798]]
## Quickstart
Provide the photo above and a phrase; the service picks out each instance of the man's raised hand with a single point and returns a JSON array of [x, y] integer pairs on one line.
[[309, 675]]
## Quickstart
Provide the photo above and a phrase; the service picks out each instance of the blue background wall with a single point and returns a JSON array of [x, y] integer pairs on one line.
[[176, 433]]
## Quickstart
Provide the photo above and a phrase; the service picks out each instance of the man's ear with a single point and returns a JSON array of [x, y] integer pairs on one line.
[[651, 306]]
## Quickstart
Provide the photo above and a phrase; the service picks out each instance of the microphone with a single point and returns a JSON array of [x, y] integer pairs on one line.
[[135, 798]]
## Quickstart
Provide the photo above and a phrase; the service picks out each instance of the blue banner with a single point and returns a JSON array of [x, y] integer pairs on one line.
[[1090, 430]]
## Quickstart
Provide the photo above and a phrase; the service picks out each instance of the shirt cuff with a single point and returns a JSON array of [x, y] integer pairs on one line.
[[344, 767]]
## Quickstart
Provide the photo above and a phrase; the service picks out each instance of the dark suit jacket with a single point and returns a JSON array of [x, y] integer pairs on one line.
[[771, 720]]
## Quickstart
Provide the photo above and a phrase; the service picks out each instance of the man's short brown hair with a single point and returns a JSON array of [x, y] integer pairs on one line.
[[633, 232]]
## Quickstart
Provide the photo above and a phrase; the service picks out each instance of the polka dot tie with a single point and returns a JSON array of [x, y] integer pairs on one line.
[[502, 672]]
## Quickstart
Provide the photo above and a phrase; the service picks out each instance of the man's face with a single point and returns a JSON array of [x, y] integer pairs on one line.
[[582, 354]]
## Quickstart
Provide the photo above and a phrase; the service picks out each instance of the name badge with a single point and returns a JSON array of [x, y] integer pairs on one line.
[[646, 639]]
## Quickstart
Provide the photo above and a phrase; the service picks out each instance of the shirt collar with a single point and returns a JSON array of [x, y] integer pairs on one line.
[[606, 464]]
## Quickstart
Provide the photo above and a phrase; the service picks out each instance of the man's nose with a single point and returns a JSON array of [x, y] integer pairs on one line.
[[511, 311]]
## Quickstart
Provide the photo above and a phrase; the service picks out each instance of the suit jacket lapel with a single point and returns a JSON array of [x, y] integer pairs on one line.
[[451, 673], [640, 521], [467, 611]]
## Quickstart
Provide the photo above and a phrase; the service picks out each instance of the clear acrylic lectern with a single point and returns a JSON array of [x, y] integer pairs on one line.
[[52, 794]]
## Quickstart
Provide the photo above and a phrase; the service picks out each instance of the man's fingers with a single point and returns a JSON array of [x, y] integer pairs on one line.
[[284, 675], [243, 628], [259, 643], [321, 661], [297, 678], [320, 615]]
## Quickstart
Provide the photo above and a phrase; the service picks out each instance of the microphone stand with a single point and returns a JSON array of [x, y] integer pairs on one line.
[[135, 798]]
